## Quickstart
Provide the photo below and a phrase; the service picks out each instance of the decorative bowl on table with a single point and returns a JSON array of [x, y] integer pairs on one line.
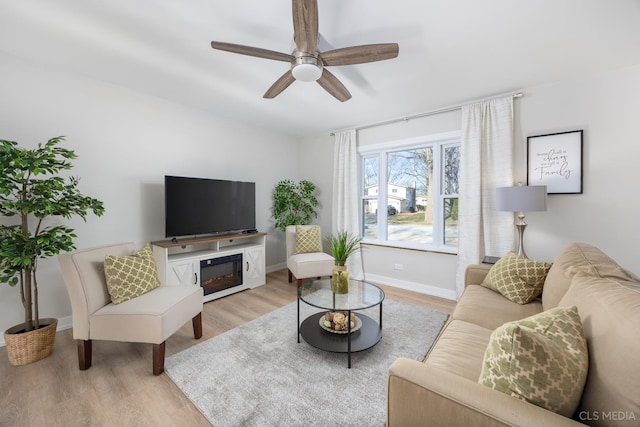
[[336, 322]]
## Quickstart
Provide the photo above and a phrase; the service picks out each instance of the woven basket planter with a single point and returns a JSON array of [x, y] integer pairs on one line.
[[29, 347]]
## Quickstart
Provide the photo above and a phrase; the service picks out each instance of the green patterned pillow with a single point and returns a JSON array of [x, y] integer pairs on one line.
[[130, 276], [516, 278], [542, 359], [308, 239]]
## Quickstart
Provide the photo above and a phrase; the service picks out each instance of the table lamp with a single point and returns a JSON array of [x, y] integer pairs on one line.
[[521, 199]]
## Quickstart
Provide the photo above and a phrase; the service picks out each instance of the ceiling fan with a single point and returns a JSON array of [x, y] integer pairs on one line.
[[307, 62]]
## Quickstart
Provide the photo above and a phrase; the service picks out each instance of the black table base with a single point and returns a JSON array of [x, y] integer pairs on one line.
[[364, 338]]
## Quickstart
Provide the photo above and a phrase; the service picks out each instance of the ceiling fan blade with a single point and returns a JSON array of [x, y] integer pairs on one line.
[[331, 84], [252, 51], [360, 54], [281, 84], [305, 25]]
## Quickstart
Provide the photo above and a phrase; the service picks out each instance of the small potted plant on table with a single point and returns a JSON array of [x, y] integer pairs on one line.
[[342, 245]]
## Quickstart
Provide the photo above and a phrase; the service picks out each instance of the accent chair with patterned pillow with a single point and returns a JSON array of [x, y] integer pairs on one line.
[[151, 317], [305, 257]]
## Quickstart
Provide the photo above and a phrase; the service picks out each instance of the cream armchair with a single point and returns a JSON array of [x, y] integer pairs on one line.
[[307, 264], [150, 318]]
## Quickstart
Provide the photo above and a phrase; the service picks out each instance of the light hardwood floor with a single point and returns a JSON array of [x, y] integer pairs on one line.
[[119, 388]]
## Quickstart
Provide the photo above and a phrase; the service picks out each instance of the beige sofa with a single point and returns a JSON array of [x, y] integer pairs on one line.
[[444, 391]]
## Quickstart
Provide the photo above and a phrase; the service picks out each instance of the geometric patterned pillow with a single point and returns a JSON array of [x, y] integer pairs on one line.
[[542, 359], [130, 276], [516, 278], [308, 240]]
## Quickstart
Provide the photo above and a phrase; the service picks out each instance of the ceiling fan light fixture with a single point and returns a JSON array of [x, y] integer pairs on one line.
[[306, 68], [306, 72]]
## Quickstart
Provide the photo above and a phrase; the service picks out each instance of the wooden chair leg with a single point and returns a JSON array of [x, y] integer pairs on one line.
[[299, 282], [197, 326], [290, 276], [158, 358], [84, 354]]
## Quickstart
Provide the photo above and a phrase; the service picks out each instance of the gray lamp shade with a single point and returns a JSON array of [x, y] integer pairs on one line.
[[522, 198]]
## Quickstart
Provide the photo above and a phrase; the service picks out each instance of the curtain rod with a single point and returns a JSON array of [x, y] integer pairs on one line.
[[516, 94]]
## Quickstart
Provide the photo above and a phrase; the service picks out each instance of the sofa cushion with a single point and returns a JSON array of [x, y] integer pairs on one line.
[[610, 312], [578, 257], [490, 309], [459, 349], [541, 359], [517, 278], [308, 239], [130, 276]]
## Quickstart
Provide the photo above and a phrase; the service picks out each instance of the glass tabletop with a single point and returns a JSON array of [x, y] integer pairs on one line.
[[361, 295]]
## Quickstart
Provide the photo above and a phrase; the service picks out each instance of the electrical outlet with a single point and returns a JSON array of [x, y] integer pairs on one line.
[[398, 266]]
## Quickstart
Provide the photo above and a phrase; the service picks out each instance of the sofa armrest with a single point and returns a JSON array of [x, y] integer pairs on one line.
[[475, 273], [422, 395]]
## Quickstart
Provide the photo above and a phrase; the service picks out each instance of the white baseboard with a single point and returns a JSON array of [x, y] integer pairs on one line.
[[435, 291], [63, 323], [422, 288], [276, 267]]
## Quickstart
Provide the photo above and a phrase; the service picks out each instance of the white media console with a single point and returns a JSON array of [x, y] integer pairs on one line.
[[183, 262]]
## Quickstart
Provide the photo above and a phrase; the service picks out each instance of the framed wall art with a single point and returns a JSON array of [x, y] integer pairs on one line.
[[555, 160]]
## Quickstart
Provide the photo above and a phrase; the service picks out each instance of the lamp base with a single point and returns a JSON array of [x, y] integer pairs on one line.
[[521, 226]]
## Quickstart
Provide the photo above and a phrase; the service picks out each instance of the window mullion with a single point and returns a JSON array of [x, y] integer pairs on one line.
[[437, 195], [383, 196]]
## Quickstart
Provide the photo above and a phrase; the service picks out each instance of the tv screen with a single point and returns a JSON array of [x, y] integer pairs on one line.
[[208, 206]]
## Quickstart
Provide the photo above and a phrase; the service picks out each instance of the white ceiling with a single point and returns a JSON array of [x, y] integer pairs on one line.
[[451, 51]]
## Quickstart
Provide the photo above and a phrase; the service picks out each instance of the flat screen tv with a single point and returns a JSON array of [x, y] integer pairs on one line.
[[208, 206]]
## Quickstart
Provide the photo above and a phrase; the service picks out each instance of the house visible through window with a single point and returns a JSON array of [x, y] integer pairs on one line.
[[410, 193]]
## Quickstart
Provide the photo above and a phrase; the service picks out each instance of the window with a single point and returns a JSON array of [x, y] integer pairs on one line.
[[410, 193]]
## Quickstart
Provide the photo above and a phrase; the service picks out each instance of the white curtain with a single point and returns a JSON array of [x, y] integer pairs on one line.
[[346, 197], [486, 163]]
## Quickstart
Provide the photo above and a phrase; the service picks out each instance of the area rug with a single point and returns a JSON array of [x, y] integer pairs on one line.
[[258, 375]]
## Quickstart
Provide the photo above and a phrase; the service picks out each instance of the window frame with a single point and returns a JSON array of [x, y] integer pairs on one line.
[[439, 142]]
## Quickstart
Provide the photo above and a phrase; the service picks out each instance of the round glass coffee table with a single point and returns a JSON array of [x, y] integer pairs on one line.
[[367, 332]]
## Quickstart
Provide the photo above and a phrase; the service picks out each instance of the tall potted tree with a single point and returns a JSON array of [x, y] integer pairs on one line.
[[31, 192], [294, 204]]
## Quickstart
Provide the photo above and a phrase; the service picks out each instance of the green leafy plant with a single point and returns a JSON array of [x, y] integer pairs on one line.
[[32, 191], [294, 204], [342, 245]]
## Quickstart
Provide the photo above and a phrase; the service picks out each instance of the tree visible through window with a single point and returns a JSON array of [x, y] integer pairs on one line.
[[411, 195]]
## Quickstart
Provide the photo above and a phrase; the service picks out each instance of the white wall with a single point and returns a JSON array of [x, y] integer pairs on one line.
[[606, 107], [126, 143], [316, 165]]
